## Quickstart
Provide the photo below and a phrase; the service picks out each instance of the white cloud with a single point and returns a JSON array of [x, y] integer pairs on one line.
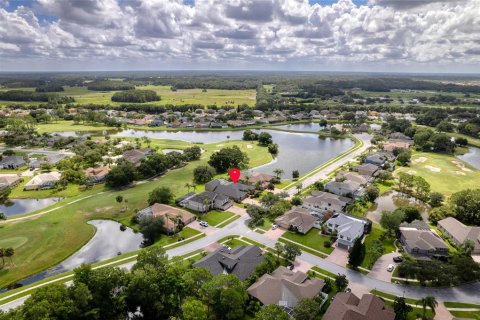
[[216, 32]]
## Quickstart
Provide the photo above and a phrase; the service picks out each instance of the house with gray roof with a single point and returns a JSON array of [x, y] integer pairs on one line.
[[235, 191], [459, 233], [205, 201], [420, 242], [379, 158], [285, 288], [348, 229], [240, 261], [366, 169], [12, 162], [352, 176], [345, 188], [320, 201]]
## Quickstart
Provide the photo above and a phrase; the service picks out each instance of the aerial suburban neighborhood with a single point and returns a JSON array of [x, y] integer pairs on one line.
[[239, 160]]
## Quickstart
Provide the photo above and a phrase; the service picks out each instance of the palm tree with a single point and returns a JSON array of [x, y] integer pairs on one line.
[[278, 172], [428, 301], [299, 187], [279, 250], [9, 252]]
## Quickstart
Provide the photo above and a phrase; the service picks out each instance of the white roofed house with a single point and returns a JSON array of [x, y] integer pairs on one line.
[[348, 229], [43, 181], [345, 188]]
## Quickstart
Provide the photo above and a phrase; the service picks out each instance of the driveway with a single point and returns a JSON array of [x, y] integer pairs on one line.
[[238, 210], [338, 256], [196, 225], [379, 270], [275, 234], [441, 312], [300, 265]]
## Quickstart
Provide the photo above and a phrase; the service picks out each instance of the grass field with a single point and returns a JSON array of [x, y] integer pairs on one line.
[[65, 125], [216, 217], [45, 241], [185, 96], [445, 173], [313, 239]]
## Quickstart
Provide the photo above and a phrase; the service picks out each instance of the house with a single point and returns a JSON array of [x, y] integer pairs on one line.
[[240, 261], [345, 188], [204, 201], [9, 180], [235, 191], [297, 219], [285, 288], [51, 159], [368, 169], [352, 176], [347, 306], [392, 144], [324, 201], [171, 216], [459, 233], [43, 181], [97, 174], [378, 158], [260, 179], [134, 156], [348, 228], [419, 240], [12, 162]]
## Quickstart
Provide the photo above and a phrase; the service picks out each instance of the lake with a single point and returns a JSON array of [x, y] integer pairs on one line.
[[472, 157], [20, 206], [310, 127], [392, 200], [107, 242]]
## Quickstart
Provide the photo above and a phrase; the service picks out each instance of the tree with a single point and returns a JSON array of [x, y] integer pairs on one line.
[[295, 174], [3, 216], [203, 174], [375, 251], [341, 282], [384, 175], [427, 302], [249, 135], [411, 213], [257, 214], [404, 157], [192, 153], [2, 255], [119, 199], [436, 199], [269, 199], [9, 252], [372, 192], [299, 188], [160, 195], [151, 228], [461, 141], [401, 308], [357, 253], [264, 139], [271, 312], [227, 158], [193, 309], [391, 221], [291, 251], [466, 205], [421, 188], [279, 250], [278, 173], [121, 175], [306, 309], [273, 148]]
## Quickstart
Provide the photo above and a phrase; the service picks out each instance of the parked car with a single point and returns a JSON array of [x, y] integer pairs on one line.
[[226, 247], [348, 290], [390, 267], [398, 259], [204, 223], [274, 226]]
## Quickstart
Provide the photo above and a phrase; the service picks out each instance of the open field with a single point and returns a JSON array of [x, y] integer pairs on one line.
[[445, 173], [46, 240], [182, 96], [65, 125]]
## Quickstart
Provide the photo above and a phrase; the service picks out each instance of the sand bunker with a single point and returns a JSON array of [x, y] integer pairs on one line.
[[460, 173], [420, 160], [220, 145], [432, 168], [461, 166], [411, 172], [249, 146]]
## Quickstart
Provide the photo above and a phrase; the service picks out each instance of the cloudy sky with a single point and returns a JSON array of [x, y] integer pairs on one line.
[[343, 35]]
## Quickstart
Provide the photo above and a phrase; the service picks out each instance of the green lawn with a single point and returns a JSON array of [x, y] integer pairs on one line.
[[65, 125], [461, 305], [466, 314], [375, 234], [216, 217], [53, 237], [313, 239], [445, 173], [413, 314]]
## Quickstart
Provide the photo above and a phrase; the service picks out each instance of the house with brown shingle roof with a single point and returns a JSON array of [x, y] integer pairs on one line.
[[459, 233], [9, 180], [262, 179], [134, 156], [285, 288], [298, 219], [171, 216], [97, 174], [347, 306]]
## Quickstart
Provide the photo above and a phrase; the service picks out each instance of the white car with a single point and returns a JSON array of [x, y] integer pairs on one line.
[[390, 267], [274, 226], [203, 223]]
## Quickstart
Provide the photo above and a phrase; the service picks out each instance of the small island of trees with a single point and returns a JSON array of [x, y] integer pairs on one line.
[[136, 96]]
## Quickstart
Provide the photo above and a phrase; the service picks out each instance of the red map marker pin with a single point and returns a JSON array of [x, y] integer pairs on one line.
[[234, 174]]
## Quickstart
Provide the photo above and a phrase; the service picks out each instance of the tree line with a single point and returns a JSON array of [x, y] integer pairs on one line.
[[136, 96]]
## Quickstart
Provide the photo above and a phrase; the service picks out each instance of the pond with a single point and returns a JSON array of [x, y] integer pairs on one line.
[[297, 151], [19, 206], [107, 243], [85, 133], [392, 200], [472, 157], [310, 127], [167, 151]]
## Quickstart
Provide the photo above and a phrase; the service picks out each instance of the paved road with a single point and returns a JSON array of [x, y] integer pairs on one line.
[[323, 173], [469, 293]]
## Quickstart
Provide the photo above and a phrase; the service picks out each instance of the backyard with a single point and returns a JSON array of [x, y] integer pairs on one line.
[[313, 239]]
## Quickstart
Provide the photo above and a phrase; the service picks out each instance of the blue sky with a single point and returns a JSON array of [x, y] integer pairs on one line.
[[385, 35]]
